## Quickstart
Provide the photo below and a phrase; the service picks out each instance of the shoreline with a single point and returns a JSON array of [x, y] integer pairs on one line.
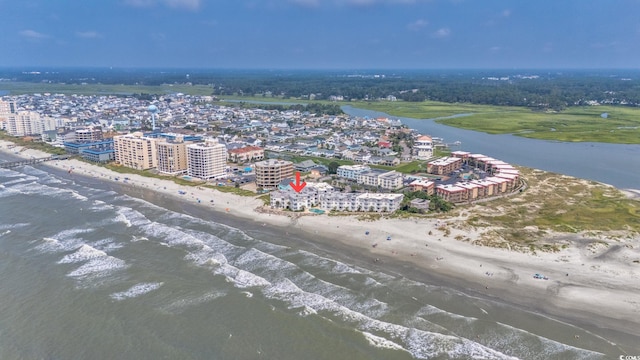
[[601, 292]]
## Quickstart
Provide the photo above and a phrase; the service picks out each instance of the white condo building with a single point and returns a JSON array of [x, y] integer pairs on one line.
[[351, 171], [325, 198], [207, 160], [24, 123]]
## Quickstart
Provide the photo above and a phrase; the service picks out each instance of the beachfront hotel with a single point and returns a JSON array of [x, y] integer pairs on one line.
[[24, 123], [269, 173], [172, 156], [207, 160], [135, 151], [328, 200]]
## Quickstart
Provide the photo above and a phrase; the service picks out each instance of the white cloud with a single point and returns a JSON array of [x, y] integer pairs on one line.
[[88, 34], [506, 13], [306, 3], [183, 4], [139, 3], [442, 33], [176, 4], [495, 48], [339, 3], [32, 34], [417, 25]]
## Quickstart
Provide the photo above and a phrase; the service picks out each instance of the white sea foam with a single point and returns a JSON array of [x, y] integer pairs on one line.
[[106, 245], [138, 238], [531, 346], [130, 217], [99, 205], [421, 344], [65, 240], [136, 290], [13, 226], [84, 253], [21, 180], [5, 232], [98, 267], [123, 219], [240, 278], [381, 342], [306, 311], [180, 305]]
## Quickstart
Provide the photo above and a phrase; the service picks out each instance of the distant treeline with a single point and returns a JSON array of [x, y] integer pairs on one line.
[[531, 88], [314, 108]]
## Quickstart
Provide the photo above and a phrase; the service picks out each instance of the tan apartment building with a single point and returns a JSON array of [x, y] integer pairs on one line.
[[444, 166], [423, 185], [135, 151], [270, 173], [452, 193], [207, 160], [172, 157]]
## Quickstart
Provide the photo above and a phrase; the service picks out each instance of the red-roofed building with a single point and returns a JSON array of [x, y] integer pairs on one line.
[[384, 144], [246, 154]]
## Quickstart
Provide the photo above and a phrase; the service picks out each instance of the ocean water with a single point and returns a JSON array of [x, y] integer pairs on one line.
[[90, 271]]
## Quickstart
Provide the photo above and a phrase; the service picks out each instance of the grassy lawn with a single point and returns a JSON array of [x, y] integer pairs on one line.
[[573, 124]]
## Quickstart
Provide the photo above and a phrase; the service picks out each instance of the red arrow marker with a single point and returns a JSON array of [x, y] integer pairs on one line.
[[298, 186]]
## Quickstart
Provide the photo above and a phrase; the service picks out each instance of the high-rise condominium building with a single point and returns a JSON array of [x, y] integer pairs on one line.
[[207, 160], [172, 157], [270, 173], [135, 151]]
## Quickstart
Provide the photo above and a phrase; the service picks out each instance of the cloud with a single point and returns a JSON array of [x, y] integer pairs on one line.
[[32, 34], [140, 3], [306, 3], [355, 3], [417, 25], [88, 34], [176, 4], [183, 4], [505, 13], [442, 33], [495, 48]]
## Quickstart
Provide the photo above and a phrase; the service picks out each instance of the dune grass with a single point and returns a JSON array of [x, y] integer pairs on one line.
[[556, 203]]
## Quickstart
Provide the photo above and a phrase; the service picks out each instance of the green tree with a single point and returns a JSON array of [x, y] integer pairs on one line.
[[333, 167]]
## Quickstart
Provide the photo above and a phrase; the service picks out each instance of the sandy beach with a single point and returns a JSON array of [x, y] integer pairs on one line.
[[596, 284]]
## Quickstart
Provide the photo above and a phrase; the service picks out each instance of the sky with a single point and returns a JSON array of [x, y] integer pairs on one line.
[[321, 34]]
